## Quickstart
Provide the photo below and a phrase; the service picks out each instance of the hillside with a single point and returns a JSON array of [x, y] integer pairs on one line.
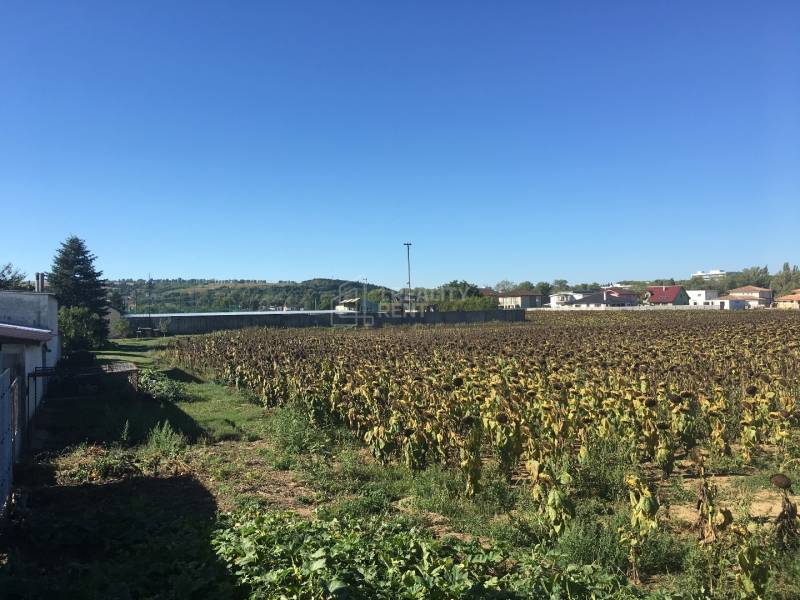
[[200, 295]]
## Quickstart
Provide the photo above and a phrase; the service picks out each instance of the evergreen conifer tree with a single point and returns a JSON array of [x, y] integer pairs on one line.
[[76, 283]]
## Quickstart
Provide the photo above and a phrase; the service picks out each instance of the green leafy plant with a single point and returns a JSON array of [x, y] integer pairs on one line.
[[160, 387]]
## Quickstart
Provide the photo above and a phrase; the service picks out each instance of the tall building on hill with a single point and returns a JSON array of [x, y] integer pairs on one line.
[[709, 275]]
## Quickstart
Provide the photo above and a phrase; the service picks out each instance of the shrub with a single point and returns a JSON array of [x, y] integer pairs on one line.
[[79, 329], [160, 387], [121, 328], [163, 441]]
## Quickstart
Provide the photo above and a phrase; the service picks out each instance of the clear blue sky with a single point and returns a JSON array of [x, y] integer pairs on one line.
[[287, 140]]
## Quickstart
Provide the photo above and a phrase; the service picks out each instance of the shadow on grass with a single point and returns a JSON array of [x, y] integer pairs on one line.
[[102, 417], [183, 376], [143, 537]]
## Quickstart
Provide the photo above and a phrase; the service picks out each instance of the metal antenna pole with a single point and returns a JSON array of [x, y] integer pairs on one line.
[[408, 261]]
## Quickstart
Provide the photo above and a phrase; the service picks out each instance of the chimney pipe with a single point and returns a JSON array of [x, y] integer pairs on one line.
[[39, 282]]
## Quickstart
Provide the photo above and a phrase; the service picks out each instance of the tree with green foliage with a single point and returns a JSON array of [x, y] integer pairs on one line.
[[786, 280], [12, 278], [545, 289], [560, 285], [79, 329], [505, 285], [459, 290], [76, 283], [115, 300], [121, 328]]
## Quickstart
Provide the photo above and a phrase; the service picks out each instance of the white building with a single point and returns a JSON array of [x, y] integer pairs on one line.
[[709, 275], [28, 338], [603, 299], [559, 299], [702, 297]]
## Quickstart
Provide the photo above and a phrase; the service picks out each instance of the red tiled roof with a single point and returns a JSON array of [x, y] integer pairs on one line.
[[664, 294], [788, 298], [487, 292]]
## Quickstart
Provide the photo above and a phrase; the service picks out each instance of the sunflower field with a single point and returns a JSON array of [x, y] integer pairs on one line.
[[534, 400]]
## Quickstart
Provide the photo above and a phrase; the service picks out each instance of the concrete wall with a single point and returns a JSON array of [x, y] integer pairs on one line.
[[30, 309], [204, 323]]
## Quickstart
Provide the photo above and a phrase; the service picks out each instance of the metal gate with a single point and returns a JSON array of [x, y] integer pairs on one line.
[[9, 433]]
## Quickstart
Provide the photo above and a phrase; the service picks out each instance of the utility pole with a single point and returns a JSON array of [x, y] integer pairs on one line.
[[408, 261], [149, 299]]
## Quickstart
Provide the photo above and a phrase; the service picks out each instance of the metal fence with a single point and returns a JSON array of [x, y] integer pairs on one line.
[[9, 433]]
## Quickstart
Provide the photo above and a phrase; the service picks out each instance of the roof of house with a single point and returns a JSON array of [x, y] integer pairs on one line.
[[735, 297], [487, 292], [664, 294], [751, 288], [597, 298], [622, 291], [789, 297], [517, 294], [19, 334], [350, 301]]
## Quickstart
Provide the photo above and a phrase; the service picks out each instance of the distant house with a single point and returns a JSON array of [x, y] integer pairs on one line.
[[355, 305], [791, 301], [702, 297], [561, 298], [731, 303], [754, 296], [516, 299], [630, 297], [602, 299], [488, 292], [664, 295]]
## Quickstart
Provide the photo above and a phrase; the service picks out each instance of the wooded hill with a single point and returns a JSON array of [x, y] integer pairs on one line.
[[202, 295]]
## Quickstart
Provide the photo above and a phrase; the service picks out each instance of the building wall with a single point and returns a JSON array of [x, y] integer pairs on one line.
[[557, 300], [700, 297], [788, 304], [30, 309], [204, 323], [512, 302], [22, 359]]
